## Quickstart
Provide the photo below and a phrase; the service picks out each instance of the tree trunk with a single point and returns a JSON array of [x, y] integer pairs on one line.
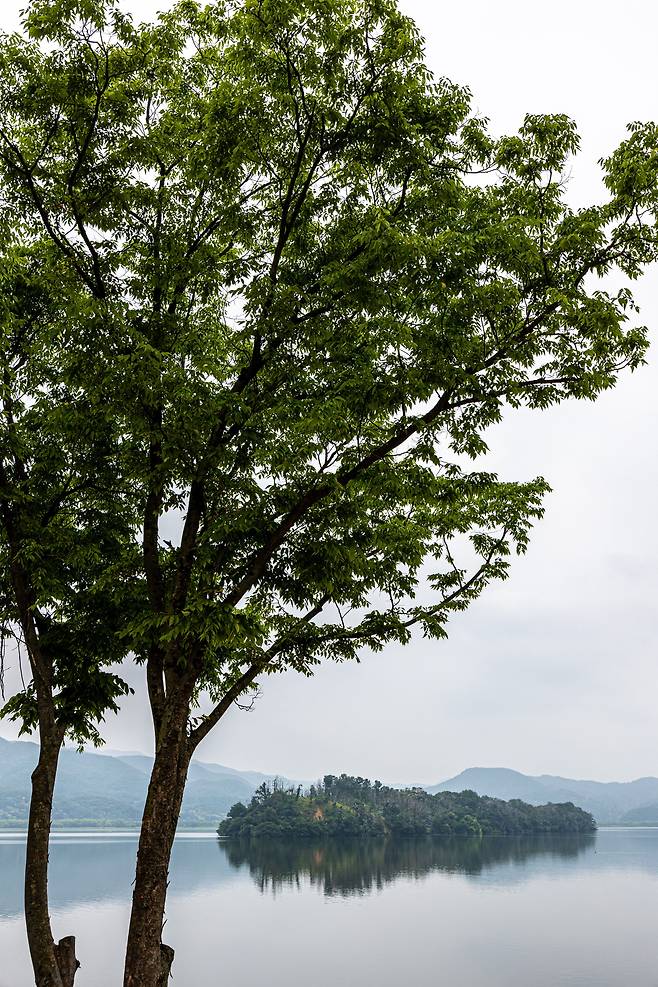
[[54, 965], [148, 959]]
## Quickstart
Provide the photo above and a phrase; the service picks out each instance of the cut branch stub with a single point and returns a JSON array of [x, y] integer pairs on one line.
[[166, 959], [66, 960]]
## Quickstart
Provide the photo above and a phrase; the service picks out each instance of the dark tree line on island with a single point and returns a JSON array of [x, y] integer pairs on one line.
[[262, 272], [347, 806]]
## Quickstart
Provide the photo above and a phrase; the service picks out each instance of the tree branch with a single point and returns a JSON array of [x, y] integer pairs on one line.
[[246, 679]]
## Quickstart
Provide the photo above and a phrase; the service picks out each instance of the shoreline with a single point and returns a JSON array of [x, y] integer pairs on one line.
[[187, 833]]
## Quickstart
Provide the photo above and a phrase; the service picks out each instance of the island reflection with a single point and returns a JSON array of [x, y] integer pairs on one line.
[[348, 867]]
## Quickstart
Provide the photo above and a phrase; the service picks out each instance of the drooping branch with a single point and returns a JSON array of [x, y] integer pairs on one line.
[[247, 678], [336, 635]]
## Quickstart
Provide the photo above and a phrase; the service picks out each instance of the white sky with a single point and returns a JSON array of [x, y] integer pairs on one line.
[[555, 670]]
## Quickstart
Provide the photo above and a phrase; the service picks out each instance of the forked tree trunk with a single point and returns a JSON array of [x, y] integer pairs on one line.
[[54, 964], [148, 959]]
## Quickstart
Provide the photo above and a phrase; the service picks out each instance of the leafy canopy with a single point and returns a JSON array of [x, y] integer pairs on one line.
[[301, 280], [64, 534]]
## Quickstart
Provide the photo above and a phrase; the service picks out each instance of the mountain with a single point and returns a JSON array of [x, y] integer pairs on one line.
[[103, 790], [627, 802], [644, 815], [109, 789]]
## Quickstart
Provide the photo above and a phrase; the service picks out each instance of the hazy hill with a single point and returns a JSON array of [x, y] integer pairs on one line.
[[109, 790], [96, 789], [609, 802], [644, 815]]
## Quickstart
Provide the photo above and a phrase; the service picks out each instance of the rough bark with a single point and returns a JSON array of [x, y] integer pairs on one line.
[[54, 965], [148, 959], [66, 959]]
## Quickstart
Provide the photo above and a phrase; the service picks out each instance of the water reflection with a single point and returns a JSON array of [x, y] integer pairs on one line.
[[572, 911], [349, 867], [101, 868]]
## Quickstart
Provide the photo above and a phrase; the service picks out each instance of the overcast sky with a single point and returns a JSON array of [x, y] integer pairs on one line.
[[555, 670]]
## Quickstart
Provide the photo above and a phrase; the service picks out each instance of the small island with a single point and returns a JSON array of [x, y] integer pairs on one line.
[[347, 806]]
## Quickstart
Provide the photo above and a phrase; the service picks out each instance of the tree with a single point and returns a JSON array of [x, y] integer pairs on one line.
[[318, 281], [61, 566]]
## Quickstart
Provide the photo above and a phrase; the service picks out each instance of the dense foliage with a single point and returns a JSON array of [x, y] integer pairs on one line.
[[347, 806], [297, 280]]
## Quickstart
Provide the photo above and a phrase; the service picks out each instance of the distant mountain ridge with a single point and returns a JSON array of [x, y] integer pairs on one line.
[[610, 802], [108, 790]]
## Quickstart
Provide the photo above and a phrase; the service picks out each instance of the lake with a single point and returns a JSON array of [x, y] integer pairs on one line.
[[497, 912]]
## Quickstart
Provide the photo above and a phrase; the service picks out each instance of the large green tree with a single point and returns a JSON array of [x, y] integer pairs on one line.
[[316, 281]]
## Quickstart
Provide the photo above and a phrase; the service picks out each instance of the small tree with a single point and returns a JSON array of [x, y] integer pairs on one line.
[[317, 280], [63, 531]]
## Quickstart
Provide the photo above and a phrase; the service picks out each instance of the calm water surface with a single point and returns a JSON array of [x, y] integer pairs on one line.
[[497, 912]]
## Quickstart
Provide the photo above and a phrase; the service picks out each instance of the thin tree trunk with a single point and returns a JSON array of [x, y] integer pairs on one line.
[[54, 964], [148, 959]]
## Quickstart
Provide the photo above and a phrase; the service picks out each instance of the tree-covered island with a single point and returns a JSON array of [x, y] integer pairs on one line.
[[346, 806]]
